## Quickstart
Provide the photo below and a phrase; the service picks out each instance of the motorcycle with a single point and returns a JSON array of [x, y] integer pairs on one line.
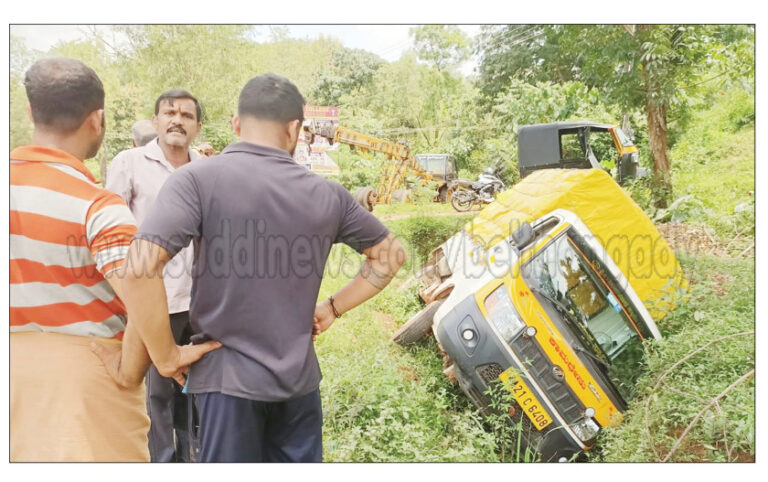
[[483, 191]]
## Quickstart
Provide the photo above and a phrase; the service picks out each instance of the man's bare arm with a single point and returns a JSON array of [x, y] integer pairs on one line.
[[145, 300], [128, 363], [382, 262]]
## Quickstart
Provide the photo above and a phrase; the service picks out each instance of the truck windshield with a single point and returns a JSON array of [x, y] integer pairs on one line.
[[596, 317], [434, 164], [623, 138]]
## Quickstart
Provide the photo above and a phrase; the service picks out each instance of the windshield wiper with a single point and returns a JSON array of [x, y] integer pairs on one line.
[[567, 313], [602, 362], [558, 306]]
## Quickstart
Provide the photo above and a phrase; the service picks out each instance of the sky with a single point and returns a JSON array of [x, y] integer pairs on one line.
[[387, 41]]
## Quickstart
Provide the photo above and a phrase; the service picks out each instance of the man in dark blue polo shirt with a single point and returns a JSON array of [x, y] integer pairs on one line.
[[263, 227]]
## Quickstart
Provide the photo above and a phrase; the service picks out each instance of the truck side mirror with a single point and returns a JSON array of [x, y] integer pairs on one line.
[[523, 235]]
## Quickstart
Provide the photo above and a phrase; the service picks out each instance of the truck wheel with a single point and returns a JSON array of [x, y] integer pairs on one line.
[[418, 326], [363, 197], [442, 193]]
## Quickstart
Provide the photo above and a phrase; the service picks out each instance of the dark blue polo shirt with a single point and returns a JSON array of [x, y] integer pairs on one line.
[[262, 227]]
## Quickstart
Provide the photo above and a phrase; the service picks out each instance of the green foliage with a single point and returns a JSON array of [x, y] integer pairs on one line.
[[640, 191], [356, 168], [655, 69], [427, 233], [714, 163], [220, 134], [441, 46], [350, 70], [19, 123], [522, 103]]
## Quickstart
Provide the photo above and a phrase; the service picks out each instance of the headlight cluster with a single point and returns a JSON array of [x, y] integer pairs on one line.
[[502, 313], [585, 429]]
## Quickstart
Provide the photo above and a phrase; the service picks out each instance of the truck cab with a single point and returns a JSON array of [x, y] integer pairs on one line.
[[578, 145], [442, 168], [554, 300]]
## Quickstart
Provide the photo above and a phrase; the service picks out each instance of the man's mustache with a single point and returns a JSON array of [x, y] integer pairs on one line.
[[177, 129]]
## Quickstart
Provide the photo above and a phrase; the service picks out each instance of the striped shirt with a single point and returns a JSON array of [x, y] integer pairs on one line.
[[66, 233]]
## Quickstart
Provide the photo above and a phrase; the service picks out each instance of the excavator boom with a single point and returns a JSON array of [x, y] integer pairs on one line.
[[393, 173]]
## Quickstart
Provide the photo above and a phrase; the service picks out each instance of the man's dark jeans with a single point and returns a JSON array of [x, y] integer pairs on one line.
[[234, 429], [167, 406]]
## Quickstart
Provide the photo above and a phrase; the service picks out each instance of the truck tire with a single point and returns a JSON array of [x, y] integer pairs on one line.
[[418, 326], [363, 197]]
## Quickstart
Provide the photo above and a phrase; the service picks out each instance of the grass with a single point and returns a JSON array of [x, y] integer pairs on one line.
[[383, 403], [714, 163], [423, 209]]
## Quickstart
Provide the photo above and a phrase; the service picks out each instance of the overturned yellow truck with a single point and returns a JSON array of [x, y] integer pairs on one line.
[[552, 290]]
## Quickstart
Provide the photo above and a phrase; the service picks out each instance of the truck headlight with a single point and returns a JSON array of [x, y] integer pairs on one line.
[[585, 429], [502, 313]]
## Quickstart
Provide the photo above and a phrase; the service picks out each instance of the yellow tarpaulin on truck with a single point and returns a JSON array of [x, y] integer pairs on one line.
[[624, 230]]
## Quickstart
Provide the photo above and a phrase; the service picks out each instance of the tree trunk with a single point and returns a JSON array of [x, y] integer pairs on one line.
[[657, 137], [656, 111]]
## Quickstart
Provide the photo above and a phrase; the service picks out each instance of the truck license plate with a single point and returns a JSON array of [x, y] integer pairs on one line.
[[526, 399]]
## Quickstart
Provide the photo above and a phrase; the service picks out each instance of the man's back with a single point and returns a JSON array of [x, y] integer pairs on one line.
[[264, 228], [66, 233]]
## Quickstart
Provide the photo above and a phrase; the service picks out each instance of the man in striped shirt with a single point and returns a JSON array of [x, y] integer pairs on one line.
[[68, 241]]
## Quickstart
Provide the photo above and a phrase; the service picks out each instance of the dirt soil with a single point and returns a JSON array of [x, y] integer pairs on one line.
[[694, 239], [386, 320]]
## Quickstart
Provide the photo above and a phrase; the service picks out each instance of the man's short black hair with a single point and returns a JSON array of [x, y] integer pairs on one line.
[[62, 93], [170, 95], [271, 97]]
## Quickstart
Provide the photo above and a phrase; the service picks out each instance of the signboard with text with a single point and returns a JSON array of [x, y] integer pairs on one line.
[[314, 157]]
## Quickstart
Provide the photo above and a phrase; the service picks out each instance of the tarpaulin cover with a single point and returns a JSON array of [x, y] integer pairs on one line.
[[624, 230]]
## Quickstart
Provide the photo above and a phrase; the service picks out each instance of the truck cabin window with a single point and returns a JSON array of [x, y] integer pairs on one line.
[[597, 320], [434, 164]]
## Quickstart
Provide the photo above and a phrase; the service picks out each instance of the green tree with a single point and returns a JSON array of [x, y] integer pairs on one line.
[[653, 68], [20, 127], [349, 70], [441, 46]]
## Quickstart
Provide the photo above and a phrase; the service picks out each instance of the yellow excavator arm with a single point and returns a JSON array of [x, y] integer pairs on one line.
[[393, 172]]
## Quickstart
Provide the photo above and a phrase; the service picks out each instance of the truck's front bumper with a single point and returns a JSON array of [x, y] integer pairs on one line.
[[481, 360]]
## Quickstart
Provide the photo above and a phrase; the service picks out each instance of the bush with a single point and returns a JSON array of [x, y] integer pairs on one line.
[[356, 169], [427, 233]]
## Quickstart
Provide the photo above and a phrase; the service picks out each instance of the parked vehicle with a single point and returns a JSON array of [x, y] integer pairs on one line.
[[466, 194], [442, 169], [552, 291], [400, 163], [577, 145]]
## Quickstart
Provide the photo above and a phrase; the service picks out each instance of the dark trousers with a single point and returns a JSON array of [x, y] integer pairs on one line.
[[167, 406], [234, 429]]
